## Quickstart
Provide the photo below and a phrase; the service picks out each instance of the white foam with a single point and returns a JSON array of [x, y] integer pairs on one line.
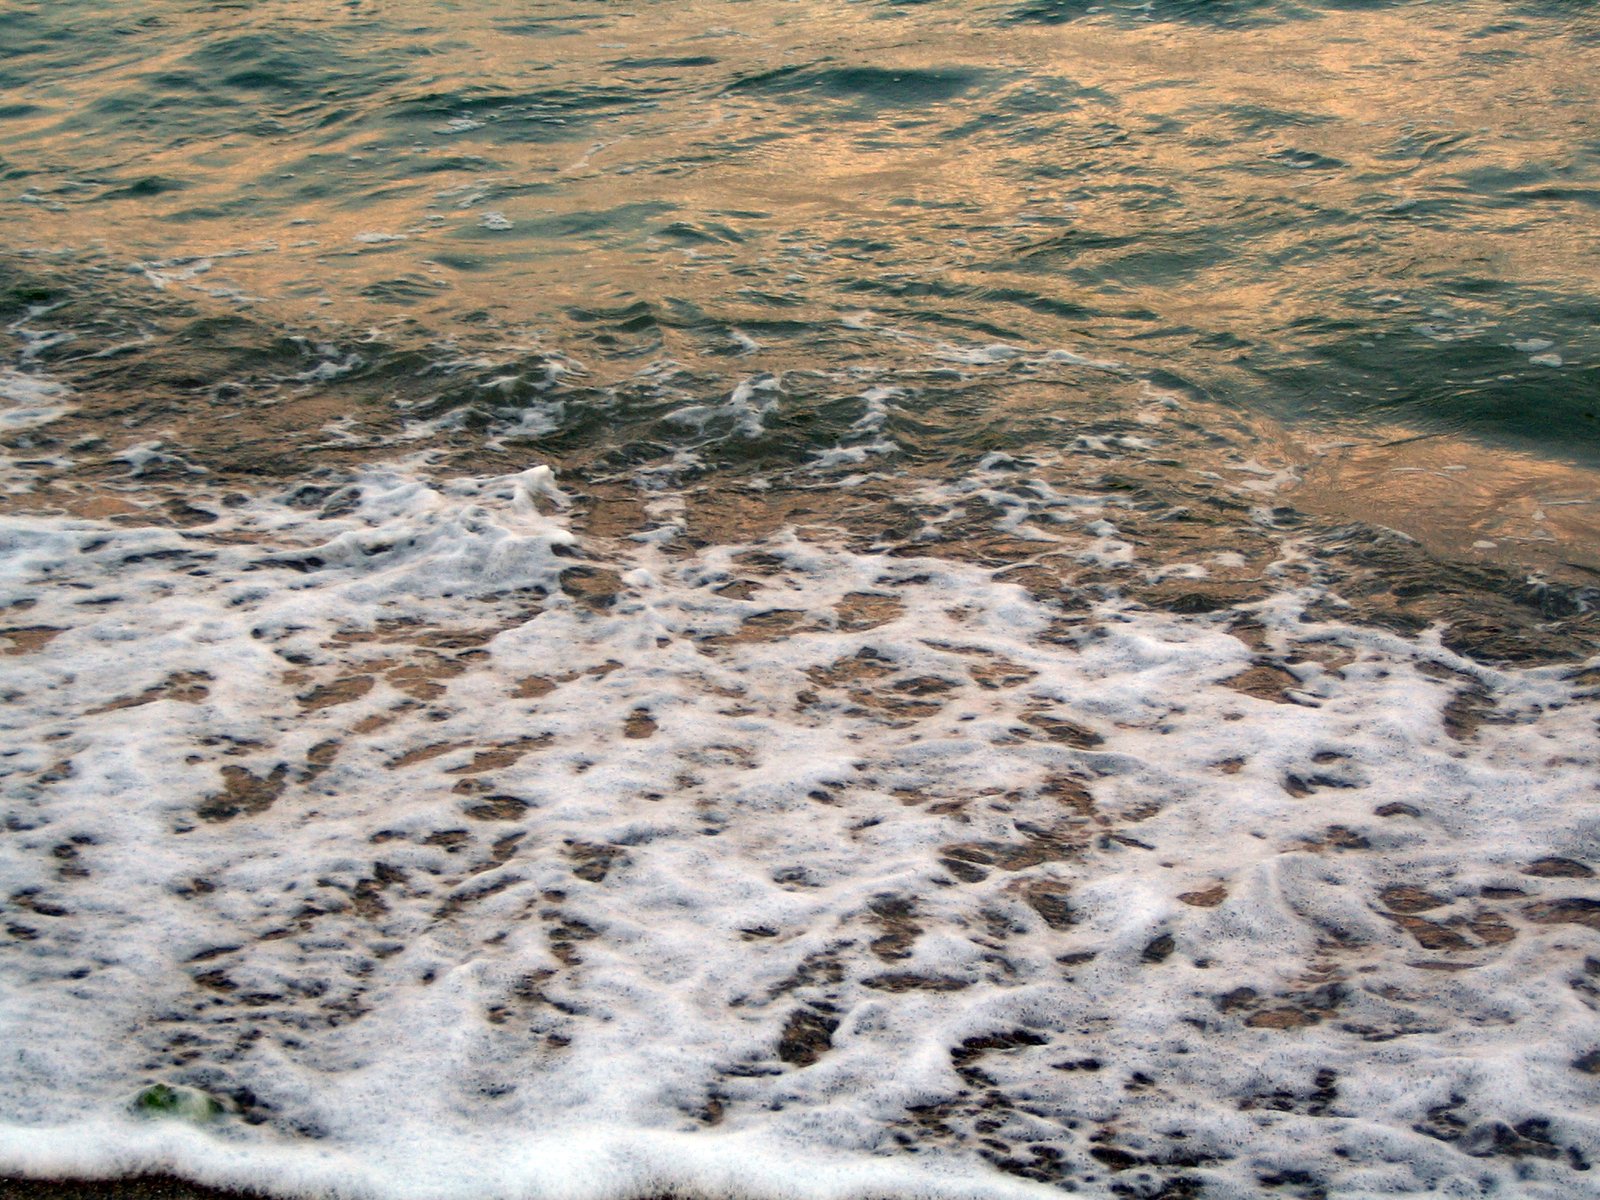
[[28, 401], [146, 458], [175, 270], [335, 366], [520, 890], [745, 408], [994, 352]]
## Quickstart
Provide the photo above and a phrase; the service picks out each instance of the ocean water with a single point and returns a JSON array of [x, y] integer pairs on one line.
[[801, 600]]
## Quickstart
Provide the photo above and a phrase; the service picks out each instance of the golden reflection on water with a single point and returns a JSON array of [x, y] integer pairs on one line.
[[1464, 500], [1178, 183], [1158, 106]]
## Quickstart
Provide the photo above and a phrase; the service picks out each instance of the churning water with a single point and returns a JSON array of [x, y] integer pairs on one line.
[[801, 599]]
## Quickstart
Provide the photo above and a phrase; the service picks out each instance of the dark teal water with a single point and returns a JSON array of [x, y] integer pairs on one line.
[[1355, 222]]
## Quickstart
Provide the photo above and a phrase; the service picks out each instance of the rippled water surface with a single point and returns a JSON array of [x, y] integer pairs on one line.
[[1363, 221], [998, 598]]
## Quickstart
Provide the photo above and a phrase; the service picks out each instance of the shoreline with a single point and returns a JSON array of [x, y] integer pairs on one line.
[[132, 1187], [143, 1186]]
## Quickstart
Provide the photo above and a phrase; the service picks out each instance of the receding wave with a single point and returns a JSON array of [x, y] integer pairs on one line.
[[798, 601]]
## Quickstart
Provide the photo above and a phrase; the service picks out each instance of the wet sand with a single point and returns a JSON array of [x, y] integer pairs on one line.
[[138, 1187]]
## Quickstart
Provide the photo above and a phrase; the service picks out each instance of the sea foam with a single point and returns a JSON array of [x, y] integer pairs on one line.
[[455, 854]]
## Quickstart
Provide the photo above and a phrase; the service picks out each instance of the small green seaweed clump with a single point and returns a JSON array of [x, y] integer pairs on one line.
[[183, 1103]]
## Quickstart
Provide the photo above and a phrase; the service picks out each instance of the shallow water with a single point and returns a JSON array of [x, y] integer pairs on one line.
[[998, 598]]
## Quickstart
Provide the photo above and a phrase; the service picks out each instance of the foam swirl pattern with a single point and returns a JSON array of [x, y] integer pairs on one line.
[[451, 853]]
